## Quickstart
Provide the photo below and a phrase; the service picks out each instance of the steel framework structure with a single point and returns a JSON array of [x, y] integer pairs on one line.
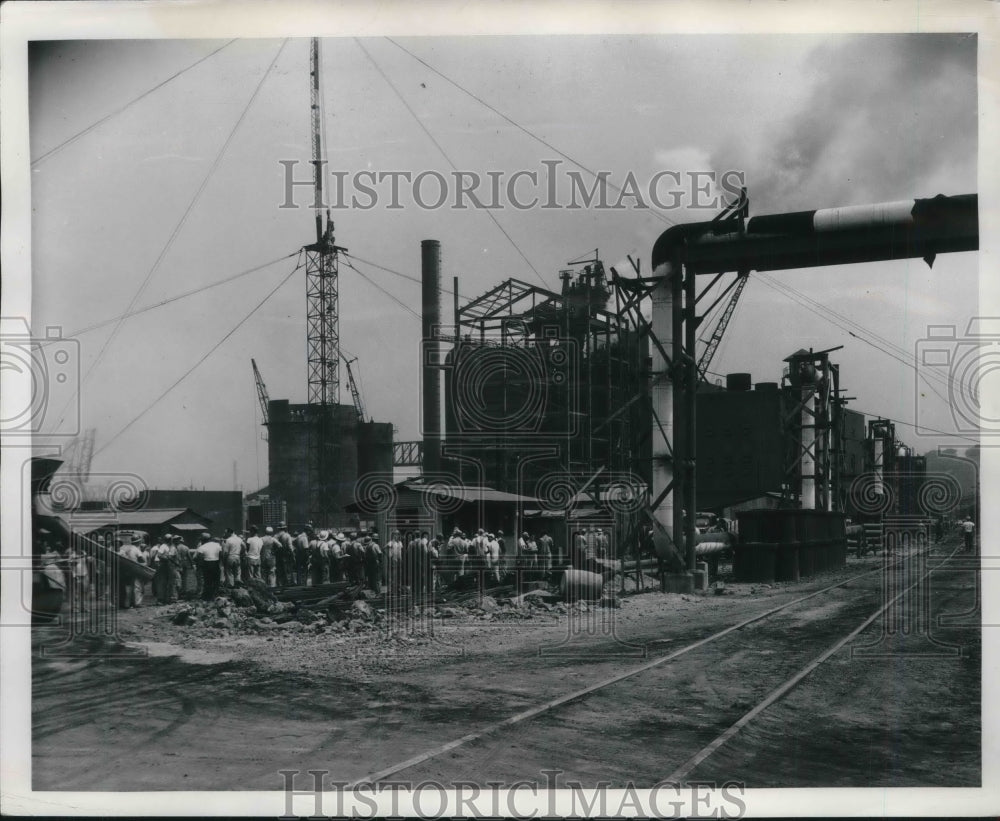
[[322, 322], [602, 451], [813, 424], [323, 340], [407, 454]]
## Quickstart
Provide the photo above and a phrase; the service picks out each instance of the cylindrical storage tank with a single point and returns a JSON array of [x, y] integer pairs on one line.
[[840, 539], [820, 540], [766, 387], [374, 448], [826, 543], [829, 541], [807, 527], [772, 525], [749, 532], [738, 381], [749, 526], [581, 584], [807, 552], [739, 561], [786, 568], [758, 561], [344, 460]]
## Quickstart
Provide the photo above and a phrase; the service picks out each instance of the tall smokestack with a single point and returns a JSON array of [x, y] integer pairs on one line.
[[430, 275]]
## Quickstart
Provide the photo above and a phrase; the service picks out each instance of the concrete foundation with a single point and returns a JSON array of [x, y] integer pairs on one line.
[[701, 576]]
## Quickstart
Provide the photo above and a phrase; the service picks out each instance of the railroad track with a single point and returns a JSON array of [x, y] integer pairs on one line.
[[539, 727]]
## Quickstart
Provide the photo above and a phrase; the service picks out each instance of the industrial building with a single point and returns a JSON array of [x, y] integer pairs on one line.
[[746, 445], [537, 386]]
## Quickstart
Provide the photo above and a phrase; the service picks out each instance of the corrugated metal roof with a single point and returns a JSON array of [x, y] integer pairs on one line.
[[150, 516], [470, 493], [407, 494]]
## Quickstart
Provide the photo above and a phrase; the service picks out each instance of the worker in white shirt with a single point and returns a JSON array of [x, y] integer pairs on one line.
[[269, 557], [209, 558], [337, 556], [301, 548], [254, 544], [163, 557], [285, 555], [394, 562], [77, 560], [232, 552], [968, 532], [320, 560], [187, 573], [129, 586], [458, 554], [493, 556]]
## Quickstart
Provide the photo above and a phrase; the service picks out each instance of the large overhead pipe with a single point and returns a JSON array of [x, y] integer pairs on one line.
[[919, 228], [831, 236], [430, 277]]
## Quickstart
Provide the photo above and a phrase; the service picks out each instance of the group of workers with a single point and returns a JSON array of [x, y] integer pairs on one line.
[[279, 557]]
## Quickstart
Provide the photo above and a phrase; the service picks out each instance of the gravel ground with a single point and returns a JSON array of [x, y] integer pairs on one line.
[[359, 648]]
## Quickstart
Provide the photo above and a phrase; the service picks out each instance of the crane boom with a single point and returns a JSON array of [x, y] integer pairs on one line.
[[322, 264], [317, 133], [87, 453], [720, 329], [79, 454], [261, 392], [355, 393]]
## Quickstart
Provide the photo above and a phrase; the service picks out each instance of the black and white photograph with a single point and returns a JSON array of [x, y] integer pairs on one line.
[[416, 410]]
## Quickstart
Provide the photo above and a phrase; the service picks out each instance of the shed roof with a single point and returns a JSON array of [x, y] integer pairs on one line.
[[148, 516], [470, 493]]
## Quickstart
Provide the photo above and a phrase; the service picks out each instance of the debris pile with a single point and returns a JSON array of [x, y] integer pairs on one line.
[[340, 608]]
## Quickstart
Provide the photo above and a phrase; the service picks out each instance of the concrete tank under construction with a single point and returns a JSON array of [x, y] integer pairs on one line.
[[295, 432]]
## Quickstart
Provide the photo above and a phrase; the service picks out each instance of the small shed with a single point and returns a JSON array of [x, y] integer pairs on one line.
[[438, 508], [156, 522]]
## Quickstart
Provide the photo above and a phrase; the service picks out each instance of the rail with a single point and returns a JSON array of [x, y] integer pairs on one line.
[[552, 704]]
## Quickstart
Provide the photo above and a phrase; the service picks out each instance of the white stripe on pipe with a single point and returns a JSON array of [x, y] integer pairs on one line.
[[864, 216]]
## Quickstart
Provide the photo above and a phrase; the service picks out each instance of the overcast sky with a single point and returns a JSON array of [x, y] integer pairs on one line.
[[812, 122]]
